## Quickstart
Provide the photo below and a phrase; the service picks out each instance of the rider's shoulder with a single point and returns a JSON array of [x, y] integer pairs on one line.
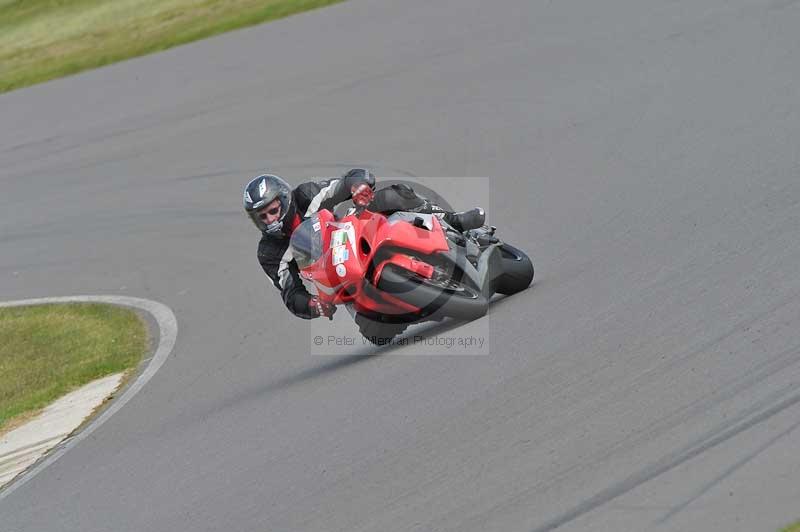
[[309, 189]]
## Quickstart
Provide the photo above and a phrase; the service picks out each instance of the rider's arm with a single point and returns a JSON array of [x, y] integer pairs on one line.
[[328, 194], [283, 272]]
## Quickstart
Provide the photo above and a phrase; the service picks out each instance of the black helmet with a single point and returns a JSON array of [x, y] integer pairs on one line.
[[359, 175], [260, 192]]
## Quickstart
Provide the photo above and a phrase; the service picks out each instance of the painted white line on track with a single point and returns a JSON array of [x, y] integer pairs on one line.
[[167, 334]]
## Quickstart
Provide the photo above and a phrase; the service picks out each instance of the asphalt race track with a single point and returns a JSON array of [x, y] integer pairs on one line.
[[643, 152]]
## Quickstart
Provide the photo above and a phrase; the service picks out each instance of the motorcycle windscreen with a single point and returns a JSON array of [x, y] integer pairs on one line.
[[306, 242]]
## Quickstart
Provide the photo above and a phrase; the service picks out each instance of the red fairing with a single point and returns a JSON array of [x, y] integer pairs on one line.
[[404, 261], [377, 230], [349, 246], [386, 305]]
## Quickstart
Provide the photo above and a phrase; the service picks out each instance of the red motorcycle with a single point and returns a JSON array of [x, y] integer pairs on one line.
[[393, 271]]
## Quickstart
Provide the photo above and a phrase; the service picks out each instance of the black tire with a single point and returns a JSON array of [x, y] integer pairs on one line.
[[517, 271], [454, 299], [376, 332]]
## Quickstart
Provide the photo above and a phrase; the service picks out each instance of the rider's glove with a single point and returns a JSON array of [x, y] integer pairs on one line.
[[362, 194], [318, 308]]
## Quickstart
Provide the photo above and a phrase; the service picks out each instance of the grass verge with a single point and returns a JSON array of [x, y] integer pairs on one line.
[[792, 528], [45, 39], [49, 350]]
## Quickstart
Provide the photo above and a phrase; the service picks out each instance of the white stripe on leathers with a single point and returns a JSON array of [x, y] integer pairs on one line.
[[321, 196]]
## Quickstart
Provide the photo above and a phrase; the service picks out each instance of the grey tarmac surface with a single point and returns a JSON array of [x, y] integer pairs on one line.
[[643, 152]]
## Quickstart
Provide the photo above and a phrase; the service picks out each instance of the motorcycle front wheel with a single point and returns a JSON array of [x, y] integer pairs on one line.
[[440, 295]]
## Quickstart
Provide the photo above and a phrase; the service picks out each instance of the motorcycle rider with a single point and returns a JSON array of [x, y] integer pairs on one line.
[[276, 210]]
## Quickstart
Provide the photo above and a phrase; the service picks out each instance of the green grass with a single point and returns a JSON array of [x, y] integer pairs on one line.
[[792, 528], [46, 351], [45, 39]]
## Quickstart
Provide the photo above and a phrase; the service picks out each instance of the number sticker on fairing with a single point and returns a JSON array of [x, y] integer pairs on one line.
[[340, 255], [339, 237]]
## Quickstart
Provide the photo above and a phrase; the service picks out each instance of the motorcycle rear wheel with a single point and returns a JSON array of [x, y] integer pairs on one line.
[[517, 271]]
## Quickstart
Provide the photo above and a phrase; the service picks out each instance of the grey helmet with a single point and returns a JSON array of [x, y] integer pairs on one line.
[[260, 192]]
